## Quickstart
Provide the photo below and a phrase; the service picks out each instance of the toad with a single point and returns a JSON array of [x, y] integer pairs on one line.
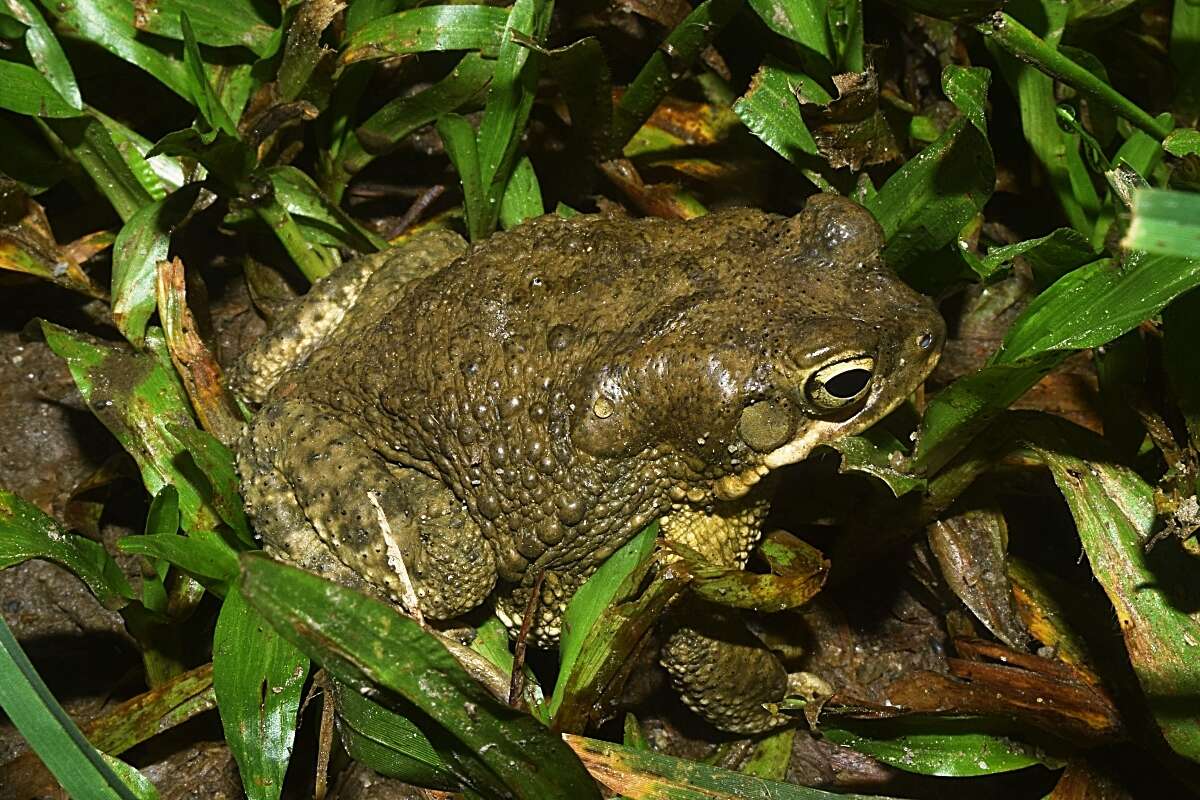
[[524, 406]]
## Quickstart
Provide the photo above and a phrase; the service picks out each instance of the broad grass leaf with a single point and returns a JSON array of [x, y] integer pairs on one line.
[[258, 677], [369, 646], [142, 242], [26, 532]]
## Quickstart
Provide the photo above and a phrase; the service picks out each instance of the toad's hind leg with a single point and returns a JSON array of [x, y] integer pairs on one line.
[[307, 479], [721, 670]]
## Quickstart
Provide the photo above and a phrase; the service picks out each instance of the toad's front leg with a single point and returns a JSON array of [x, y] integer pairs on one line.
[[308, 480], [721, 670]]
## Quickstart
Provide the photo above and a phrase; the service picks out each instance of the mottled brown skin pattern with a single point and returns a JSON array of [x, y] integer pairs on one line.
[[525, 408]]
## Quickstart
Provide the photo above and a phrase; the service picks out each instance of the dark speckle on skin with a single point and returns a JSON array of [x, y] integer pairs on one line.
[[524, 406]]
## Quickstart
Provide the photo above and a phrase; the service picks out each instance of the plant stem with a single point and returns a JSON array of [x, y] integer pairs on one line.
[[1023, 43], [303, 252]]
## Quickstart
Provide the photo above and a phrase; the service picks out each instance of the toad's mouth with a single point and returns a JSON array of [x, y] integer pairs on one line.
[[737, 485]]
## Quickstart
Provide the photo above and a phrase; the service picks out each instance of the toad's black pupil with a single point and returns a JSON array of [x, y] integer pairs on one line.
[[848, 384]]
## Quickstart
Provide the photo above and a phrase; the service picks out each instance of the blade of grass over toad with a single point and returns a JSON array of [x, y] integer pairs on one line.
[[142, 242], [661, 71], [771, 110], [645, 775], [26, 532], [109, 24], [596, 594], [384, 129], [1114, 513], [928, 201], [48, 729], [89, 141], [46, 53], [224, 24], [368, 645], [258, 678], [1165, 222], [422, 30], [1023, 43]]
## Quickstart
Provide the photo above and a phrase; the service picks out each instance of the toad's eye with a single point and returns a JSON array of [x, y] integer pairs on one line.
[[840, 384]]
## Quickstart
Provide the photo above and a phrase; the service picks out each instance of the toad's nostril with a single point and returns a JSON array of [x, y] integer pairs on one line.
[[766, 426]]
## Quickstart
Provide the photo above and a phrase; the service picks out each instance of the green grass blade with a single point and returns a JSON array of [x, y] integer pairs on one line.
[[109, 24], [92, 146], [389, 743], [422, 30], [510, 99], [46, 53], [303, 199], [203, 96], [599, 592], [367, 644], [1114, 513], [948, 748], [50, 732], [1185, 56], [771, 110], [1096, 304], [26, 532], [924, 205], [645, 775], [1015, 38], [202, 554], [962, 410], [24, 90], [258, 678], [1165, 222], [802, 21], [313, 260], [138, 397], [522, 196], [384, 129], [661, 71], [228, 23], [458, 137], [142, 242], [1058, 150]]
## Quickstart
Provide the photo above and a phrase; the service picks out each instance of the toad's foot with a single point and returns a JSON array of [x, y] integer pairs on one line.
[[721, 670]]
